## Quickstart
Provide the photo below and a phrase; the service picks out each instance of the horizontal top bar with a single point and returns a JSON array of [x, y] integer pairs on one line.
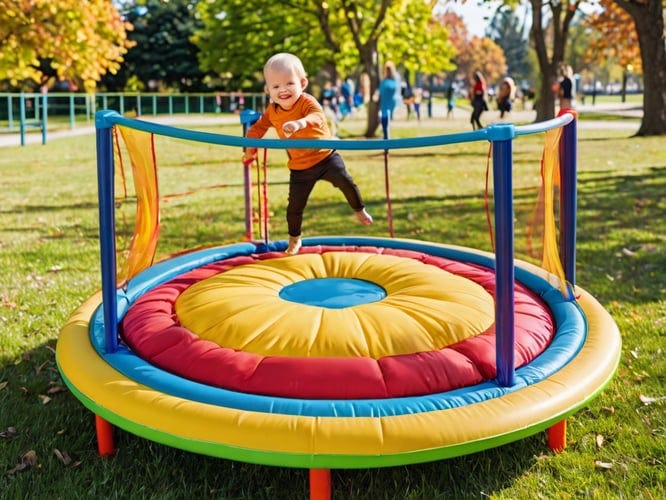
[[500, 131]]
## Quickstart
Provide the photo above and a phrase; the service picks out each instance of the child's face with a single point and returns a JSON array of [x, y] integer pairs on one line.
[[284, 87]]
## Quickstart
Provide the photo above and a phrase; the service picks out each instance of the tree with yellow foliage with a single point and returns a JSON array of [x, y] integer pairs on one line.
[[616, 39], [473, 53], [42, 41]]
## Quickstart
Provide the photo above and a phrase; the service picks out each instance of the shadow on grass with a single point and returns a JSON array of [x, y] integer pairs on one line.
[[620, 253], [27, 209], [621, 228], [52, 423]]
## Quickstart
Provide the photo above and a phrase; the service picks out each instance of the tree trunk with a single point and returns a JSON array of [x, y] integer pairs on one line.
[[373, 119], [549, 60], [544, 103], [649, 20], [370, 66]]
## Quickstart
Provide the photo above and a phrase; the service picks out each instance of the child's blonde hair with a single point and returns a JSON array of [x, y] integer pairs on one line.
[[285, 61]]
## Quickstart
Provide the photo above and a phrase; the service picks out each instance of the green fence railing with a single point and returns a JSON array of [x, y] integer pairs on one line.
[[24, 111]]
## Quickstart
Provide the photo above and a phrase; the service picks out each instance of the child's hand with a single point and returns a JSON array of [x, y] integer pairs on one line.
[[249, 155], [293, 126]]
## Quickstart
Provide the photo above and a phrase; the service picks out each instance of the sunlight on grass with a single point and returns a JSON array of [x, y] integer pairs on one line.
[[49, 261]]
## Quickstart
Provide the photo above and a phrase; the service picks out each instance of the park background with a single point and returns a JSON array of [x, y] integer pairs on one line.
[[49, 261], [187, 46]]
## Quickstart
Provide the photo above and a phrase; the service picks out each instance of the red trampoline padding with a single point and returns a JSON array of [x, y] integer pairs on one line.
[[152, 329]]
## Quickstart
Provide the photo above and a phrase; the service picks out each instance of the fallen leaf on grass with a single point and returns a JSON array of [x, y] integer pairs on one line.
[[28, 459], [39, 368], [44, 399], [603, 465], [55, 389], [600, 440], [3, 384], [8, 303], [647, 400], [8, 432], [63, 456]]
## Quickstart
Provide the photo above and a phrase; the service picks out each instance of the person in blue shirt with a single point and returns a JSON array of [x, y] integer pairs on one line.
[[388, 91]]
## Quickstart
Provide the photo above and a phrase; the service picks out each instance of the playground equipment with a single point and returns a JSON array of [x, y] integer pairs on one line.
[[358, 352]]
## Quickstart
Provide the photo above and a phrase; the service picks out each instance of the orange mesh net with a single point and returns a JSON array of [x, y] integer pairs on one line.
[[141, 151], [542, 229]]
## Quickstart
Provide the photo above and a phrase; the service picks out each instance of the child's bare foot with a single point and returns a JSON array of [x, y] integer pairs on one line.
[[294, 245], [364, 217]]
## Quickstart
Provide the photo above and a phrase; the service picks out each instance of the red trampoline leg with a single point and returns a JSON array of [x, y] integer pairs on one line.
[[320, 484], [105, 444], [557, 436]]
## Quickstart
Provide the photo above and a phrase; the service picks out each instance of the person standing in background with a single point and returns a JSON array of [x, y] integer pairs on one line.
[[565, 88], [478, 99], [388, 90], [418, 98], [506, 95], [450, 101]]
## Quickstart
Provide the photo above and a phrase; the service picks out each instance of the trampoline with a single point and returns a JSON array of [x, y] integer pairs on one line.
[[357, 352]]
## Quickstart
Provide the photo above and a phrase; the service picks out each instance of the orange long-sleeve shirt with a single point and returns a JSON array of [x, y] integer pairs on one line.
[[317, 128]]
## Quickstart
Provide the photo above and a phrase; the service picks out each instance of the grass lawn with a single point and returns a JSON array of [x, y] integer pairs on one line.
[[49, 264]]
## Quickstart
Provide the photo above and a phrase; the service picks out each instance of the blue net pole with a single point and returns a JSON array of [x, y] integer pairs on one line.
[[568, 201], [107, 230], [501, 136]]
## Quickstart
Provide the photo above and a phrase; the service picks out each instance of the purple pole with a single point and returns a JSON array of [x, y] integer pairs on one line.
[[107, 231], [568, 200], [501, 136]]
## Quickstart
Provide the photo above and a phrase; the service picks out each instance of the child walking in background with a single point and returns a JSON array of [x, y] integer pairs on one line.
[[294, 113]]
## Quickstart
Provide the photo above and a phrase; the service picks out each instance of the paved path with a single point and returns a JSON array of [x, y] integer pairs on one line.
[[461, 120], [35, 136]]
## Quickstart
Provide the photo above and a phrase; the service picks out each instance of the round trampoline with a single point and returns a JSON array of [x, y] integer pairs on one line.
[[314, 409], [357, 352]]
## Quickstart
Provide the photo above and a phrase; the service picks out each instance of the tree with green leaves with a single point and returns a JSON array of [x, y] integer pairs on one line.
[[163, 57], [510, 32], [43, 41], [340, 36]]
